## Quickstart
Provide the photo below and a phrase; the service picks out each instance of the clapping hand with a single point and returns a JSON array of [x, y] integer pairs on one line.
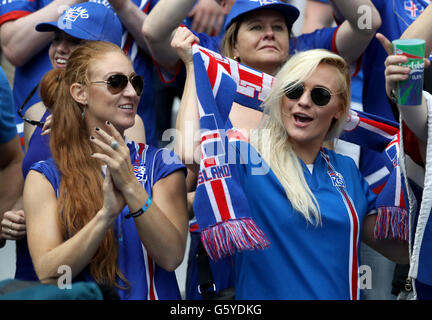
[[116, 155]]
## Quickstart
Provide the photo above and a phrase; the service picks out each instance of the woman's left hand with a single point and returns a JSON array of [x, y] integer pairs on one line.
[[115, 154]]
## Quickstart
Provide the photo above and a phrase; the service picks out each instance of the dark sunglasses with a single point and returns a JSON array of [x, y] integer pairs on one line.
[[320, 96], [117, 82], [40, 124]]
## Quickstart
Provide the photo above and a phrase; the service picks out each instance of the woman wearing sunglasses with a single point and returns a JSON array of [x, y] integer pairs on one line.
[[111, 210], [312, 203], [37, 118]]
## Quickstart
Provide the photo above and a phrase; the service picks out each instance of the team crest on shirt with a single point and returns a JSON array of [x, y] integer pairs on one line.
[[412, 9], [337, 179], [140, 173]]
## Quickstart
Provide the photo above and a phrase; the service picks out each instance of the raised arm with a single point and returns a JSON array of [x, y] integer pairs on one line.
[[132, 19], [421, 29], [415, 117], [187, 124], [317, 15], [158, 29], [19, 39], [362, 20]]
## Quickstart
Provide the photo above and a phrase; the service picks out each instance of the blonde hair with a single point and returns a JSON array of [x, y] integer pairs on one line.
[[229, 40], [285, 163]]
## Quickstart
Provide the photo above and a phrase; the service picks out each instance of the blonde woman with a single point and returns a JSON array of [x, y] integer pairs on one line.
[[312, 203]]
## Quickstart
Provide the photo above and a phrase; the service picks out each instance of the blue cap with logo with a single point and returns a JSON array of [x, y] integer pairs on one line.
[[242, 7], [88, 21]]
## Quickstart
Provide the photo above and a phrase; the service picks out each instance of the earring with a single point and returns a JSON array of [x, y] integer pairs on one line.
[[236, 58], [83, 113]]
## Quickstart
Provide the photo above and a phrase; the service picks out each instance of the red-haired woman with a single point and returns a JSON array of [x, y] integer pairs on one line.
[[78, 203]]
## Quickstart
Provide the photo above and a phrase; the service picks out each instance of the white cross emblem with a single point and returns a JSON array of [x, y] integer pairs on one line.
[[264, 2], [74, 13]]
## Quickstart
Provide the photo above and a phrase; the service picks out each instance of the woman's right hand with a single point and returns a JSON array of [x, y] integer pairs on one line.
[[113, 198], [394, 72], [182, 44]]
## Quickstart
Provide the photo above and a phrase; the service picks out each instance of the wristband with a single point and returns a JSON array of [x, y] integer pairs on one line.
[[141, 210]]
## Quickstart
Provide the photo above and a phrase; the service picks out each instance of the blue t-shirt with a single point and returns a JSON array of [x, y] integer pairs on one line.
[[7, 123], [303, 261], [147, 280], [28, 75]]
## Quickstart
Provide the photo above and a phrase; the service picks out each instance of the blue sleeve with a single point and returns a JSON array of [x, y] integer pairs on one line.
[[7, 118], [49, 169], [319, 39], [370, 196], [164, 163], [12, 10]]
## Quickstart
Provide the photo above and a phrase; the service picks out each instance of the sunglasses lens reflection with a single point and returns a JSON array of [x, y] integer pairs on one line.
[[319, 96], [117, 83]]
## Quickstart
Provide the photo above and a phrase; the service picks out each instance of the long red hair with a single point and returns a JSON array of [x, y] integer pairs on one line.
[[81, 194]]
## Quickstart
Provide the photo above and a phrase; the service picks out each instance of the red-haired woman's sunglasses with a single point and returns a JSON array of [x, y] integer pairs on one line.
[[117, 82]]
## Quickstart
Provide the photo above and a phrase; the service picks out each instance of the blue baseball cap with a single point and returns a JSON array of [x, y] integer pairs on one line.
[[242, 7], [88, 21]]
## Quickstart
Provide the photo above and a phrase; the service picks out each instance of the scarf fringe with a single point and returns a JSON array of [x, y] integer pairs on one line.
[[227, 237], [391, 224]]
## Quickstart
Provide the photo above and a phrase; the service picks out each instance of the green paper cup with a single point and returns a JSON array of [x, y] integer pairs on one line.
[[409, 92]]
